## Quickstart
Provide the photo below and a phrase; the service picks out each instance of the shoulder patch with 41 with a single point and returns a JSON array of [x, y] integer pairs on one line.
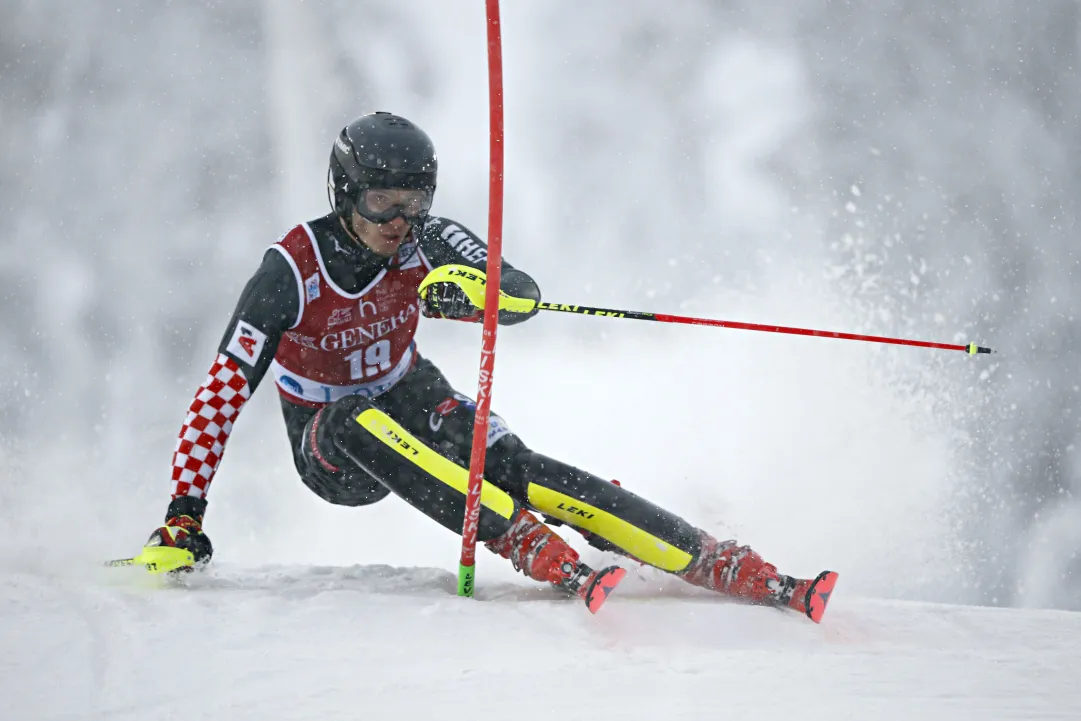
[[247, 342]]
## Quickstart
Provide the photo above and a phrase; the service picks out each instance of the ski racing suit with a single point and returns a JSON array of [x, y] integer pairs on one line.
[[334, 324]]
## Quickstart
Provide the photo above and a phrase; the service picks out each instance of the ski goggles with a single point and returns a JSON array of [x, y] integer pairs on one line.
[[382, 205]]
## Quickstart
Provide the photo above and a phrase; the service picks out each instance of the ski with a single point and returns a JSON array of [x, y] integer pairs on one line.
[[158, 559], [602, 585], [818, 595]]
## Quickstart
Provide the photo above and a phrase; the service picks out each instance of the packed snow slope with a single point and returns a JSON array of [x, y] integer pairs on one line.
[[381, 642], [806, 449]]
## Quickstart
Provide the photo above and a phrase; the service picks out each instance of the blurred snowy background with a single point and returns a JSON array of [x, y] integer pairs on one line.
[[908, 168]]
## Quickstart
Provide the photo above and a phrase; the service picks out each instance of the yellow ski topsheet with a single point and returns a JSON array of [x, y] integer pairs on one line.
[[158, 559], [387, 430]]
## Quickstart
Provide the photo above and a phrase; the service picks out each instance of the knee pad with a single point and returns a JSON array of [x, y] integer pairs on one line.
[[328, 472], [349, 487], [323, 433]]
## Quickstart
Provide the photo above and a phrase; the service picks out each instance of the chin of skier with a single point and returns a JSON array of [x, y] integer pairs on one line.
[[331, 313]]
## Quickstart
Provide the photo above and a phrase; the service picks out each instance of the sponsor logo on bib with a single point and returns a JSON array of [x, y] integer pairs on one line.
[[311, 287]]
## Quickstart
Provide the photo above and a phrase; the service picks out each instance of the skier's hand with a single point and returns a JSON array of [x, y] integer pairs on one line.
[[184, 529], [448, 300], [458, 292]]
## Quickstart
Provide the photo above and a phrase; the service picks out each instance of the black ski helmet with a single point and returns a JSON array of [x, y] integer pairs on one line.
[[380, 150]]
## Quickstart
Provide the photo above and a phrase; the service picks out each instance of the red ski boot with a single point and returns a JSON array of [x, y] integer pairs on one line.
[[738, 571], [541, 554]]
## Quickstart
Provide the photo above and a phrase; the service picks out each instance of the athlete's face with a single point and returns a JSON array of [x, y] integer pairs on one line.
[[381, 238]]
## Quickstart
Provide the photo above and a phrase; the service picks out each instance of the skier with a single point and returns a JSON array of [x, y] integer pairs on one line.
[[331, 312]]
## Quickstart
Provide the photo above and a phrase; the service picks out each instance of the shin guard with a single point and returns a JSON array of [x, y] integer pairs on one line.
[[633, 525]]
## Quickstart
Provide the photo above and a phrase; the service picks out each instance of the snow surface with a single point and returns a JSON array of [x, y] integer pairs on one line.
[[296, 642], [813, 457]]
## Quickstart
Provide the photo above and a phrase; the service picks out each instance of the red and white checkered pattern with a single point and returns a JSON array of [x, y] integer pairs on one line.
[[207, 426]]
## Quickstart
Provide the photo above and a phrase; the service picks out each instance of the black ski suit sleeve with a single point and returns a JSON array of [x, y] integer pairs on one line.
[[447, 242], [269, 303]]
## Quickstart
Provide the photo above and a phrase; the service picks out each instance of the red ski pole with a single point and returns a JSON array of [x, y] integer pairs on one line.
[[970, 348], [467, 563]]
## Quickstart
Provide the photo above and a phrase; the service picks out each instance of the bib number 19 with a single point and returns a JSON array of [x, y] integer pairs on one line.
[[369, 361]]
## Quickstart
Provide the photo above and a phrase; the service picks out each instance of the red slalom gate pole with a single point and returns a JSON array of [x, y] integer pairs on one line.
[[467, 563]]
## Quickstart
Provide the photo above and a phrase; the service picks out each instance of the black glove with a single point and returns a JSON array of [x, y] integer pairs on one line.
[[447, 300], [184, 529]]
